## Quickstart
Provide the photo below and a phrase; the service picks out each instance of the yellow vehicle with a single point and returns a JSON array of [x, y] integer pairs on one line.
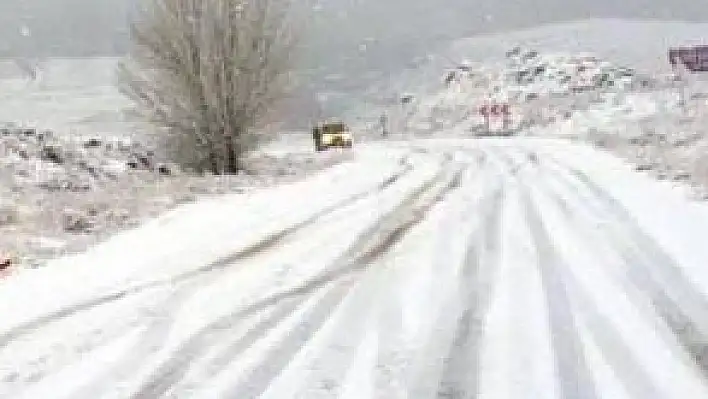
[[332, 134]]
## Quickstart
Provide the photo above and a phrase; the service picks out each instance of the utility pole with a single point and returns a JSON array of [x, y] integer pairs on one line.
[[383, 122]]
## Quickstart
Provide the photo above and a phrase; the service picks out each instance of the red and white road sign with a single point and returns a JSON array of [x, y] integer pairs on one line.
[[497, 116], [495, 110]]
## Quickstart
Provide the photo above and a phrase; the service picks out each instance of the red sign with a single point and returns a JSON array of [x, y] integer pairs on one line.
[[694, 59], [5, 266], [495, 110]]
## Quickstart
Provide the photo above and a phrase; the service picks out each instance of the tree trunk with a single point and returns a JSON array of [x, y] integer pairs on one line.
[[232, 162]]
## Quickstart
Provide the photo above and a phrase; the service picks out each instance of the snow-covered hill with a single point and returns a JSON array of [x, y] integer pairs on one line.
[[607, 81], [637, 44]]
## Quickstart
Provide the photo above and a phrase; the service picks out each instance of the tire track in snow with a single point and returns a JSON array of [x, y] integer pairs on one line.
[[260, 246], [155, 336], [394, 361], [459, 377], [626, 366], [294, 343], [656, 274], [575, 379], [159, 321], [370, 245], [336, 352], [327, 372], [335, 277]]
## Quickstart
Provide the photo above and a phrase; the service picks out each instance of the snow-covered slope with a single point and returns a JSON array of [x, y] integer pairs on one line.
[[606, 81], [637, 44]]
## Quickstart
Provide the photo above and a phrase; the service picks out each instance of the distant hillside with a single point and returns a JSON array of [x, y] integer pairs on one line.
[[640, 44]]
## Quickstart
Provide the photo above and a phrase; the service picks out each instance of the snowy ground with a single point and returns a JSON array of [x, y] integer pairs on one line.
[[568, 275], [60, 193]]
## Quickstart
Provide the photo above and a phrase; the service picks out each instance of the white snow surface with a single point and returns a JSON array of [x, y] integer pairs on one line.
[[507, 268]]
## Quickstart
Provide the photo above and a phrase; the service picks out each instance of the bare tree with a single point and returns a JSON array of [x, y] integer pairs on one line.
[[206, 71]]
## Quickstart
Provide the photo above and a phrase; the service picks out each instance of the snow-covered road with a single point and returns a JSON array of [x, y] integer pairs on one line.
[[448, 268]]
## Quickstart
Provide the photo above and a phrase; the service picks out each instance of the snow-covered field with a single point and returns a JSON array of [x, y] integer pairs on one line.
[[66, 175], [62, 195], [434, 264]]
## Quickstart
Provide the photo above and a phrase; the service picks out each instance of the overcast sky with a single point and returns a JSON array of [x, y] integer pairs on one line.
[[89, 27]]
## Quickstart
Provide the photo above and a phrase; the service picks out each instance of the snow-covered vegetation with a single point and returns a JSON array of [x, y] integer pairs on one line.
[[658, 122], [611, 85], [76, 165], [60, 194]]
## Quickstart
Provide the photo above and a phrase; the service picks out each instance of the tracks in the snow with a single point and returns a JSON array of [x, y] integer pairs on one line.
[[284, 322], [158, 323], [573, 373], [236, 332], [259, 246], [655, 275], [476, 287], [656, 278], [459, 378], [333, 285], [653, 279]]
